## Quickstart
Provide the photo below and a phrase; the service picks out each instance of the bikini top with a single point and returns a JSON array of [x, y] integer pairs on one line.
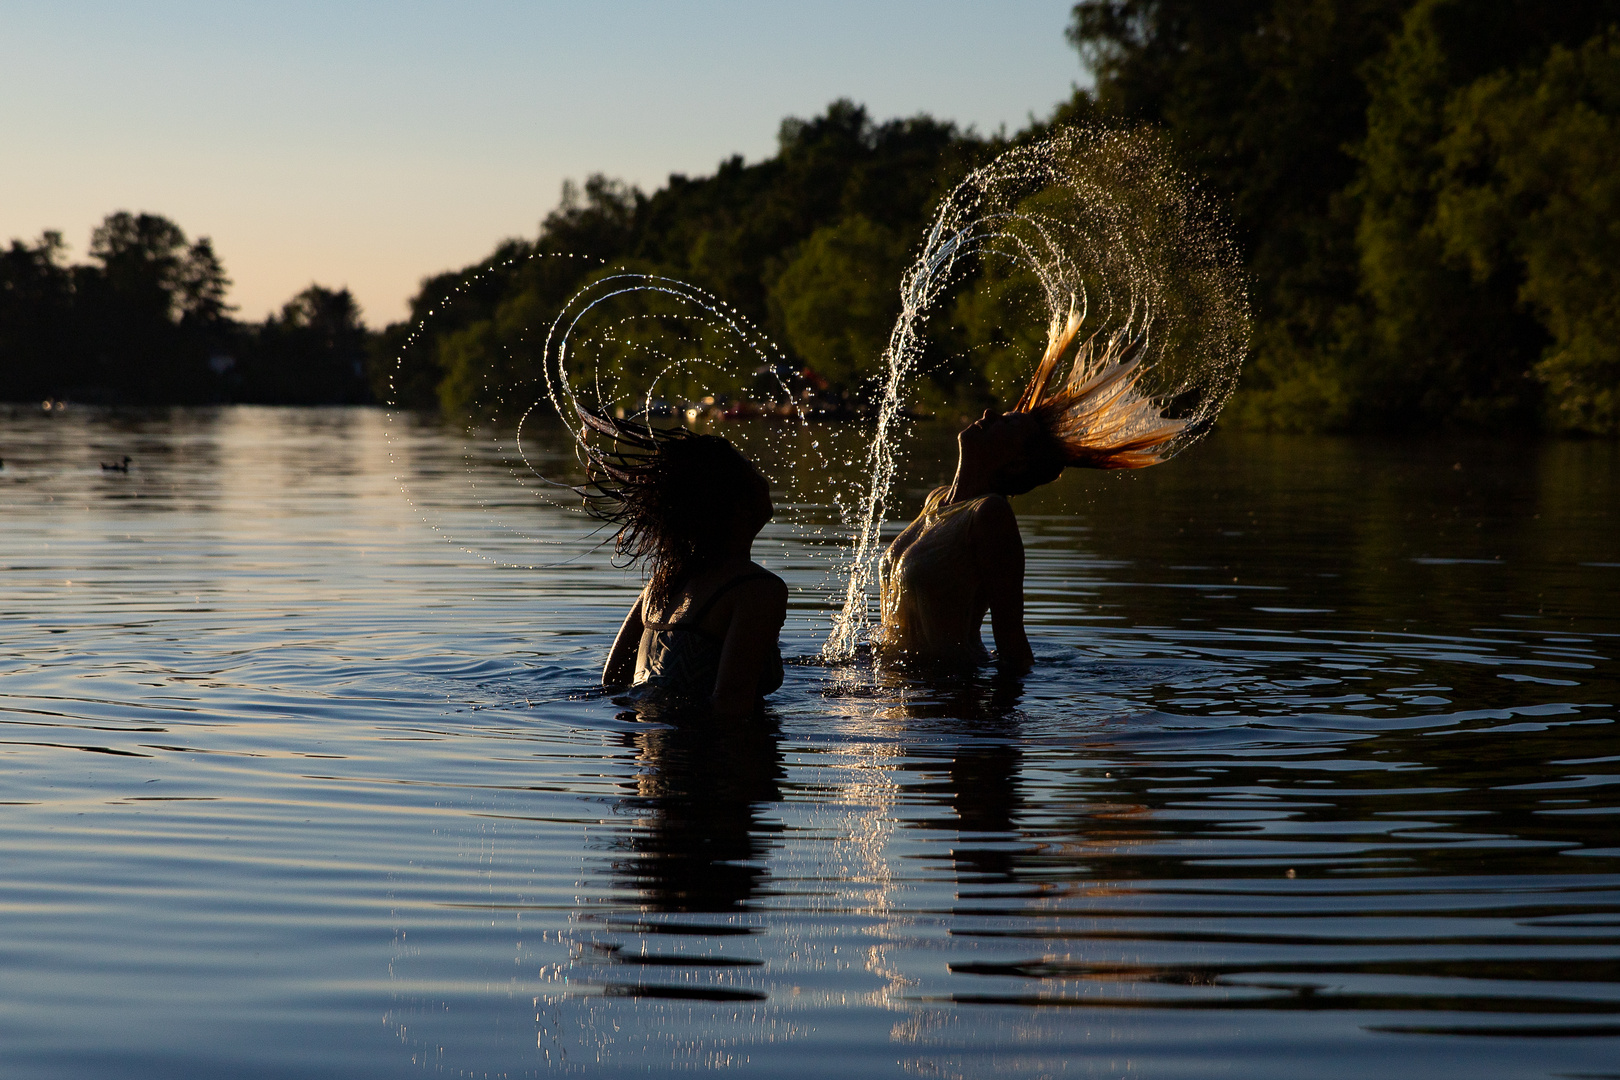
[[684, 659]]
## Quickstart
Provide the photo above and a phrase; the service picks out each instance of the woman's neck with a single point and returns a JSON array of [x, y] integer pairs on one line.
[[724, 560], [733, 553], [739, 545], [970, 482]]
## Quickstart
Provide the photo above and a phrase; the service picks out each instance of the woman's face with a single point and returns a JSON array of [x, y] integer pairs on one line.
[[996, 440]]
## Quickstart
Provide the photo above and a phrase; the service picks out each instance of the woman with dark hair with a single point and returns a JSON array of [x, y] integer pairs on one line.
[[963, 557], [704, 630]]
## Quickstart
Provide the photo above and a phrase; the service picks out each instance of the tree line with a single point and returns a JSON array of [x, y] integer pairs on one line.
[[1426, 193], [145, 321]]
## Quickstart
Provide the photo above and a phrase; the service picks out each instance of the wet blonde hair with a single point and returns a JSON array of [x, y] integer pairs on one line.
[[1097, 417]]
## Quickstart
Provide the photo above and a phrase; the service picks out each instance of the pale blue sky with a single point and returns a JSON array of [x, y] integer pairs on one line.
[[368, 144]]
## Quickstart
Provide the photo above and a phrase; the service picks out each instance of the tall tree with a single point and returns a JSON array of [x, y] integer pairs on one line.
[[38, 352], [313, 352], [778, 239], [1264, 99], [152, 312], [1455, 331]]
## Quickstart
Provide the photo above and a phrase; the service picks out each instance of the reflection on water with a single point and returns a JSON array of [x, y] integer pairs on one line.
[[1316, 775], [699, 843]]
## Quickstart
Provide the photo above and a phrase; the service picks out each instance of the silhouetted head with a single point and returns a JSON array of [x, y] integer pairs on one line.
[[680, 500], [1098, 417], [1017, 449]]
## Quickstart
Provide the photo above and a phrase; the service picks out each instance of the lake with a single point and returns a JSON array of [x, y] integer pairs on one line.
[[306, 775]]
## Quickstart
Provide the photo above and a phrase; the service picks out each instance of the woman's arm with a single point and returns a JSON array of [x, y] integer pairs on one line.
[[621, 662], [756, 620], [998, 551]]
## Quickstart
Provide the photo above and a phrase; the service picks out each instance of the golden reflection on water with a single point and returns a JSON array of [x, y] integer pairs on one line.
[[282, 761]]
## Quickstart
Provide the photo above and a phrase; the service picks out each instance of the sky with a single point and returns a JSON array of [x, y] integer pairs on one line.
[[365, 144]]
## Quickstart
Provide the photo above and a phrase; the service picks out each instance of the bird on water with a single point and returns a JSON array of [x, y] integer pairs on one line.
[[117, 466]]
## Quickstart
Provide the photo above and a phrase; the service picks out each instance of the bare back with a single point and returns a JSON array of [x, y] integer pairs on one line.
[[952, 565], [931, 599]]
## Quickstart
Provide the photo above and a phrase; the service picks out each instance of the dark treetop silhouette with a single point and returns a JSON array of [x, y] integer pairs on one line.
[[1422, 190]]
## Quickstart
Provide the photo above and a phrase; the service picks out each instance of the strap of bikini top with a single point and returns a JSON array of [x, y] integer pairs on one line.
[[695, 620]]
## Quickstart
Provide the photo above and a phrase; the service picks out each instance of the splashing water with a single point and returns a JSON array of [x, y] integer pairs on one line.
[[646, 348], [655, 351], [722, 342], [1092, 233], [1108, 243]]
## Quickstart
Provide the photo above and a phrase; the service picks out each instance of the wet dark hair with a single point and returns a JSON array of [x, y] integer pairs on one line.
[[670, 491]]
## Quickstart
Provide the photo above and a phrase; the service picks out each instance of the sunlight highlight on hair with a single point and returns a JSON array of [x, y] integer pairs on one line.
[[1114, 246]]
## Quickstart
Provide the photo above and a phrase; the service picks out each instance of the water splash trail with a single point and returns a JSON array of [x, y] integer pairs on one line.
[[1106, 230], [642, 346], [918, 288], [741, 338], [1084, 224]]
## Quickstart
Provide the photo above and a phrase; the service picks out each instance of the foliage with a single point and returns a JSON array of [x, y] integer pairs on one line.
[[146, 321], [137, 324], [837, 300], [1421, 189], [807, 244], [36, 326], [1530, 184], [1263, 98], [313, 353], [1424, 190], [1363, 145], [1445, 341]]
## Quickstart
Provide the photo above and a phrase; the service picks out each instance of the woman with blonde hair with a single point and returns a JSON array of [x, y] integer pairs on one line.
[[962, 558]]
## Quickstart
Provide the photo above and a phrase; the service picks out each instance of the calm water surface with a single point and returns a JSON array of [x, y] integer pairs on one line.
[[1317, 775]]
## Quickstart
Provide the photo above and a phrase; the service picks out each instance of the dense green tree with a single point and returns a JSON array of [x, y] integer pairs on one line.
[[779, 240], [1447, 340], [139, 323], [1530, 186], [838, 298], [1264, 98], [1350, 137], [403, 365], [1424, 192], [147, 321], [734, 232], [36, 311]]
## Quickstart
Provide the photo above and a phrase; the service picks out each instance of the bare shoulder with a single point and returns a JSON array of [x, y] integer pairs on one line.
[[760, 602], [754, 600], [993, 515], [765, 585], [914, 529], [756, 587]]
